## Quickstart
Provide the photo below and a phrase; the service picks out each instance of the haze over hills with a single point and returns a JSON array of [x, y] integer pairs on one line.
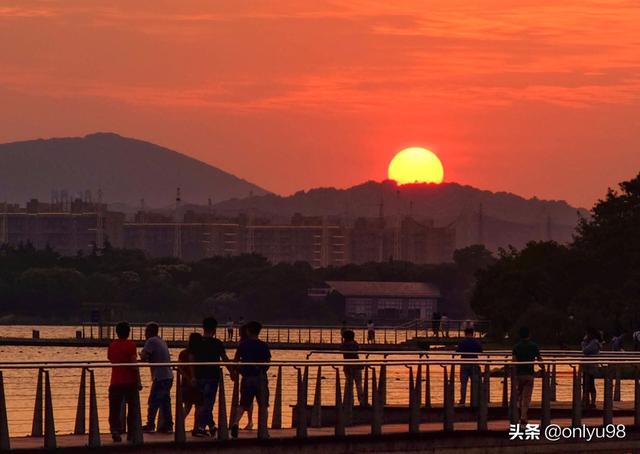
[[126, 170], [496, 219]]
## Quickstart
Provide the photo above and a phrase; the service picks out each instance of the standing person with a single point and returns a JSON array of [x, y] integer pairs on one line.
[[444, 325], [251, 350], [525, 351], [466, 346], [343, 328], [229, 336], [352, 372], [208, 377], [617, 343], [125, 382], [591, 346], [371, 332], [636, 340], [155, 350], [188, 384], [435, 324]]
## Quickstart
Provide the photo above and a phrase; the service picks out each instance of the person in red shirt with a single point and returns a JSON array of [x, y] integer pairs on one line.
[[125, 382]]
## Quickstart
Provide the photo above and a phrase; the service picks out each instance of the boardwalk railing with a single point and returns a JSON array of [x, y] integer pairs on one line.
[[304, 334], [389, 390]]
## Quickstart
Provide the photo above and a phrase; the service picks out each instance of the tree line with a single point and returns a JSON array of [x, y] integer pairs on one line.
[[42, 285], [559, 290]]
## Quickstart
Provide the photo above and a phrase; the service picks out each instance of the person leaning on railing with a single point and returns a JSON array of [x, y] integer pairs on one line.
[[125, 382]]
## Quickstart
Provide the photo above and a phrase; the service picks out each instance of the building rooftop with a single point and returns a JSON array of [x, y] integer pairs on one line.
[[388, 289]]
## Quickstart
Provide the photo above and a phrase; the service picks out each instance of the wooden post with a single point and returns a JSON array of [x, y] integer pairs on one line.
[[276, 418], [235, 399], [554, 383], [316, 411], [607, 414], [94, 422], [483, 400], [5, 440], [263, 406], [301, 407], [505, 385], [576, 399], [49, 423], [427, 385], [223, 425], [414, 408], [447, 421], [636, 399], [340, 426], [180, 435], [545, 418], [376, 417], [37, 425], [514, 411], [80, 426]]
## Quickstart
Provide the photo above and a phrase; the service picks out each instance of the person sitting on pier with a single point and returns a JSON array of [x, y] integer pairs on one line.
[[155, 350], [211, 350], [188, 384], [251, 350], [353, 373], [229, 336], [469, 347], [125, 382], [525, 351], [591, 346]]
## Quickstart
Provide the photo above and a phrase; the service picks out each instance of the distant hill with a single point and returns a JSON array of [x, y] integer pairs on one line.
[[507, 219], [126, 170]]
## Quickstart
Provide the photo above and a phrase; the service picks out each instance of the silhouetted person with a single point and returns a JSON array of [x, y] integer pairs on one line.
[[252, 350], [229, 336], [469, 347], [352, 372], [125, 382], [525, 351], [211, 350], [191, 395], [435, 324], [371, 332], [591, 346], [444, 325], [155, 350]]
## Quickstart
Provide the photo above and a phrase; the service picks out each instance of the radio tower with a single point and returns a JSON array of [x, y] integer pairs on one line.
[[177, 242], [480, 225], [99, 223]]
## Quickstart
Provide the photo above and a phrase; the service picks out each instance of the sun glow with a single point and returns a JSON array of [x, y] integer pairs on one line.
[[416, 165]]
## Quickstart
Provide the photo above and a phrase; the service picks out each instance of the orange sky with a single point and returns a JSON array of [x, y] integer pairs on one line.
[[535, 97]]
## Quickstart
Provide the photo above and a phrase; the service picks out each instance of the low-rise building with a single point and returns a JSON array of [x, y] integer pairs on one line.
[[390, 302]]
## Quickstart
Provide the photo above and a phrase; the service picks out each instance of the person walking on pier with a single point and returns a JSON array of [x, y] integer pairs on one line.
[[468, 347], [525, 351], [125, 382], [444, 325], [208, 377], [591, 346], [252, 350], [435, 324], [371, 332], [353, 373], [155, 350], [188, 384], [229, 336]]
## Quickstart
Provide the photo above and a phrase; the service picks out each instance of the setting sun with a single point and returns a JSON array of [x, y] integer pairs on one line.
[[416, 165]]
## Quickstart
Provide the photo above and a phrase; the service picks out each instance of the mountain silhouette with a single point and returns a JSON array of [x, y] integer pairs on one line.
[[125, 170], [497, 219]]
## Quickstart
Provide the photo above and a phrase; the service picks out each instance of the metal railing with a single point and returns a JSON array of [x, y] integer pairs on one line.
[[299, 334], [421, 386]]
